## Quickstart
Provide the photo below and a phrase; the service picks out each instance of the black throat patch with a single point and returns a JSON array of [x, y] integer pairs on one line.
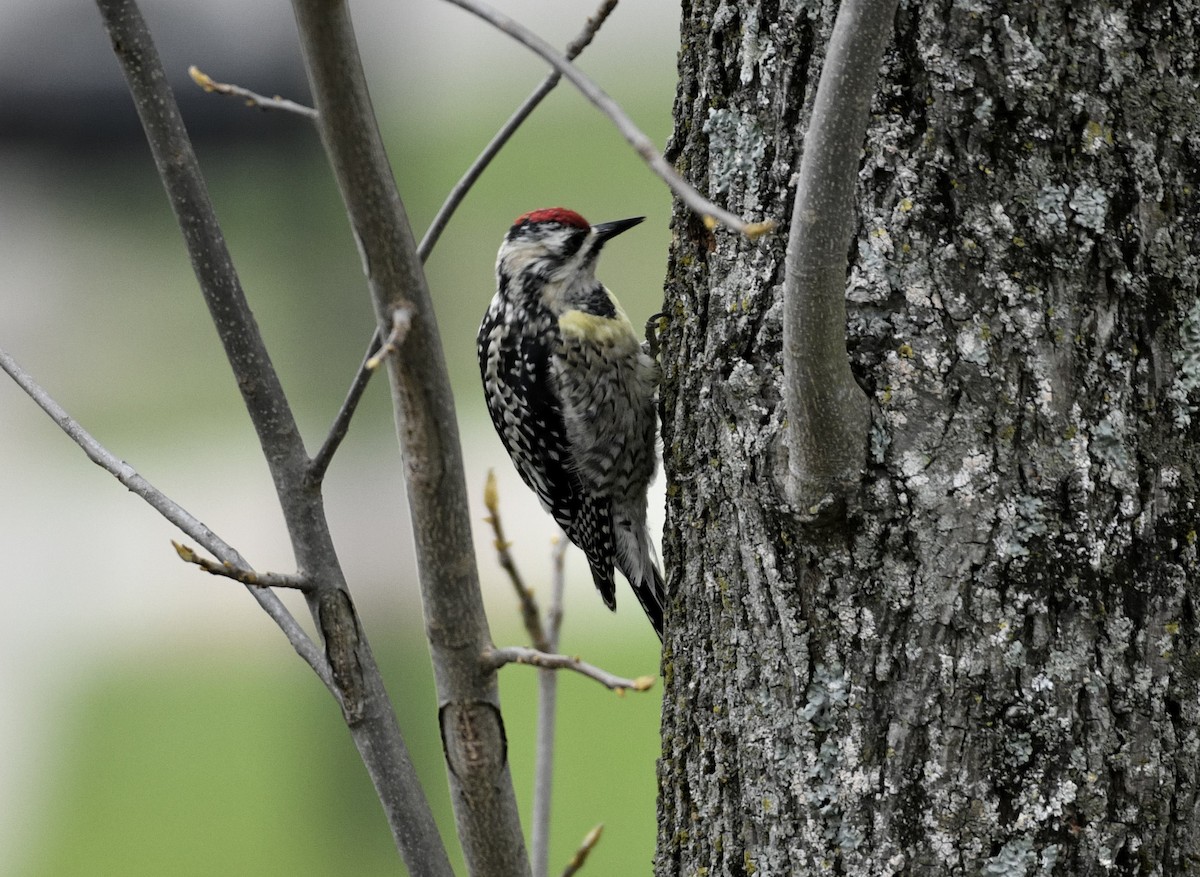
[[596, 301]]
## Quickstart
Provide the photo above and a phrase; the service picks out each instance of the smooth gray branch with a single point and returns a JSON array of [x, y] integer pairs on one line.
[[364, 700], [642, 145], [252, 99], [558, 582], [828, 413], [543, 768], [495, 658], [173, 512], [485, 806]]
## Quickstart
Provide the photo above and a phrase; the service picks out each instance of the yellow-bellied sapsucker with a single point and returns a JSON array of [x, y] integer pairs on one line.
[[571, 393]]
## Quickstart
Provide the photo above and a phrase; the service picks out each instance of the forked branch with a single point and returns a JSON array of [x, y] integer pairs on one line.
[[341, 423], [361, 693], [173, 512]]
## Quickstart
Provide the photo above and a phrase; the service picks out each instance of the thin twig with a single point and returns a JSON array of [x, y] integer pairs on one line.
[[642, 145], [498, 657], [173, 512], [252, 99], [459, 192], [581, 854], [543, 769], [341, 423], [241, 573], [529, 607], [377, 351]]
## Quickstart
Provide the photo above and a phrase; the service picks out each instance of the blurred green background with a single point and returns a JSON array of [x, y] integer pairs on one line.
[[155, 721]]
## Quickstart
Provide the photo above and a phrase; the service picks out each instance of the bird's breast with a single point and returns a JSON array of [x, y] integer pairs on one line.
[[611, 334]]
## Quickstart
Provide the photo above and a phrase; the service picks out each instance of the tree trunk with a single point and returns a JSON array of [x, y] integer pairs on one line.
[[990, 666]]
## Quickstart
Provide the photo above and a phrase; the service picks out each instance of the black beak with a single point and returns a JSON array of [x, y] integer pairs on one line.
[[606, 230]]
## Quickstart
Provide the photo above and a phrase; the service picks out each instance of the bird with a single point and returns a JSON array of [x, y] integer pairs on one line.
[[571, 392]]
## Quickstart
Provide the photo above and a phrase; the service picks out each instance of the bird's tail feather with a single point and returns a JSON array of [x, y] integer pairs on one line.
[[651, 594], [636, 560]]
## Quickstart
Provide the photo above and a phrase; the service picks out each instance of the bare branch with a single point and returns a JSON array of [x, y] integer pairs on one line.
[[529, 608], [543, 773], [240, 573], [173, 512], [176, 161], [251, 98], [341, 423], [585, 847], [828, 413], [545, 639], [361, 693], [642, 145], [543, 770], [485, 806], [495, 658], [506, 132], [378, 350], [554, 613]]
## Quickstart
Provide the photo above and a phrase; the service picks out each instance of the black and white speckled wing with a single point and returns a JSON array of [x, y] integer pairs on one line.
[[514, 360]]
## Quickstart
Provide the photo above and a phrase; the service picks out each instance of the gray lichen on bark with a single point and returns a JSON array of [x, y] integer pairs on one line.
[[993, 667]]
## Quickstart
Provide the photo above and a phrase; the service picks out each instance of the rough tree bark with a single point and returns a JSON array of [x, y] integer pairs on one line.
[[990, 666]]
